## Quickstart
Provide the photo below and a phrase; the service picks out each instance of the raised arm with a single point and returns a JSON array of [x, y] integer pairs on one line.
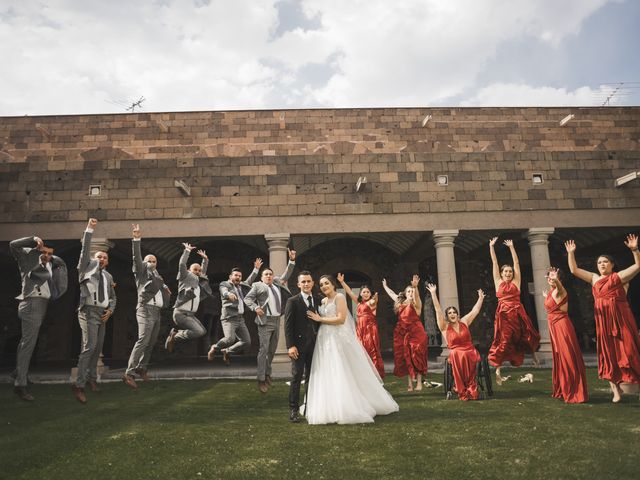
[[205, 261], [559, 291], [391, 293], [494, 263], [442, 324], [516, 263], [85, 253], [471, 316], [628, 273], [290, 265], [182, 263], [341, 312], [417, 302], [373, 303], [136, 236], [570, 245], [16, 246], [346, 287], [254, 273]]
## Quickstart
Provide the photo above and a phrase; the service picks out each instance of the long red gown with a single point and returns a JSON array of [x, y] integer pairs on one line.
[[568, 375], [410, 344], [464, 360], [367, 331], [513, 331], [617, 338]]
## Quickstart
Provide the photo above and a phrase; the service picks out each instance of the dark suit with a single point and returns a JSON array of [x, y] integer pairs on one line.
[[300, 332]]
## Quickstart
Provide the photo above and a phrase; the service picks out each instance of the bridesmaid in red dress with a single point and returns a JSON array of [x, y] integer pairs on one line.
[[513, 331], [464, 357], [568, 375], [366, 325], [410, 341], [617, 338]]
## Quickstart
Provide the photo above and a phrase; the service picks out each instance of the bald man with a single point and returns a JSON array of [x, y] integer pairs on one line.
[[153, 295]]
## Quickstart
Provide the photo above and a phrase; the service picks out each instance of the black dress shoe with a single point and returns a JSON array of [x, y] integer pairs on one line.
[[23, 394], [294, 416]]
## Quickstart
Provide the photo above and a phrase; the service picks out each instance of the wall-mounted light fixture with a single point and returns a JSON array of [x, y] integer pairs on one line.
[[626, 178], [537, 179], [443, 180], [567, 119], [362, 181], [95, 190], [425, 120]]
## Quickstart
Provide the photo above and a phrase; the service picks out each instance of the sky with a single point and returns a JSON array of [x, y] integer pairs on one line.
[[98, 56]]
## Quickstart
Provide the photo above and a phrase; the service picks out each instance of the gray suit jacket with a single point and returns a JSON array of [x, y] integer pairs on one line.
[[148, 280], [88, 270], [258, 296], [32, 275], [230, 308], [187, 281]]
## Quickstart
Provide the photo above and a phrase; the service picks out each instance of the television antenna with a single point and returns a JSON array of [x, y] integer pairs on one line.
[[128, 105]]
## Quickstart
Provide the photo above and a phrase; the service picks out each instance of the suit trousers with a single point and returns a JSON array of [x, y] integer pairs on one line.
[[268, 336], [93, 329], [298, 369], [189, 327], [31, 312], [148, 317], [236, 334]]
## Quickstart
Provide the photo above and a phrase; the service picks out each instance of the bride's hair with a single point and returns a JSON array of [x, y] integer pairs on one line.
[[331, 280]]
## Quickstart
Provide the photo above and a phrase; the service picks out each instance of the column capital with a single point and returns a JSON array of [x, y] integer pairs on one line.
[[539, 235], [277, 240], [101, 245], [444, 238]]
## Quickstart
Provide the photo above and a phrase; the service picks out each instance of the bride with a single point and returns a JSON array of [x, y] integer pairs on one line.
[[344, 386]]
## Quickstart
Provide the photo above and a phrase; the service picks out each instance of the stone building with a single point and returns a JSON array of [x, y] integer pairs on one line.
[[373, 193]]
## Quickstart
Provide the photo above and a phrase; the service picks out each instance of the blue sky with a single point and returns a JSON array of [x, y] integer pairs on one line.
[[67, 57]]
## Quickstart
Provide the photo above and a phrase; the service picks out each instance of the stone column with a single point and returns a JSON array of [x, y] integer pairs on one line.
[[278, 260], [447, 283], [539, 246]]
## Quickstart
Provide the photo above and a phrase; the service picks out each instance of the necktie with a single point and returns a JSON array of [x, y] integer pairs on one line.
[[239, 290], [101, 287], [276, 295], [310, 302]]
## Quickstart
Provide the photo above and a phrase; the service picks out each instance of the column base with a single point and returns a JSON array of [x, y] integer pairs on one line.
[[281, 366]]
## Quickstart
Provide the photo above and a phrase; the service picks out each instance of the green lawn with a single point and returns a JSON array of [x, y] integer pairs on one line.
[[226, 429]]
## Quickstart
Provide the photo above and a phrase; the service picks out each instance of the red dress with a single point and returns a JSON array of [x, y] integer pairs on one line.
[[464, 360], [513, 331], [367, 331], [617, 338], [568, 375], [410, 344]]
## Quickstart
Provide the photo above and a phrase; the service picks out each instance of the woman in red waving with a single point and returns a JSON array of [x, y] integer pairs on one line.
[[568, 374], [463, 356], [617, 338], [513, 331], [366, 325], [410, 341]]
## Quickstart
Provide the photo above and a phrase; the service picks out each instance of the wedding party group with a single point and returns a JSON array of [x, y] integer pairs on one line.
[[337, 357]]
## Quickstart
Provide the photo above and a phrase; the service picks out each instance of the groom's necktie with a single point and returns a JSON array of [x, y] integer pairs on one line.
[[310, 302]]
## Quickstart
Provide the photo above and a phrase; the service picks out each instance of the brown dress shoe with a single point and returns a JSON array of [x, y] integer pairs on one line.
[[23, 394], [170, 342], [79, 394], [268, 380], [142, 374], [211, 353], [130, 381], [263, 387], [93, 385], [226, 358]]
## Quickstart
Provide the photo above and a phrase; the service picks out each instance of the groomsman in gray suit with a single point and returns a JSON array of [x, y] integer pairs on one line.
[[193, 288], [97, 304], [44, 278], [267, 298], [232, 292], [153, 295]]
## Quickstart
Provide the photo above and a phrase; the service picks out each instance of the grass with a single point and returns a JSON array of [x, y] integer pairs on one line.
[[226, 429]]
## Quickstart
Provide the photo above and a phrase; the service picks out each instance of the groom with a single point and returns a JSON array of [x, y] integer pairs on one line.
[[300, 333]]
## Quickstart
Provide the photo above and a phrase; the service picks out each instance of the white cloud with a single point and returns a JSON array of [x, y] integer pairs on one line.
[[512, 95], [64, 56]]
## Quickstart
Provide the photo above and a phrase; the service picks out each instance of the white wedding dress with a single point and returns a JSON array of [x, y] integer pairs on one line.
[[344, 386]]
